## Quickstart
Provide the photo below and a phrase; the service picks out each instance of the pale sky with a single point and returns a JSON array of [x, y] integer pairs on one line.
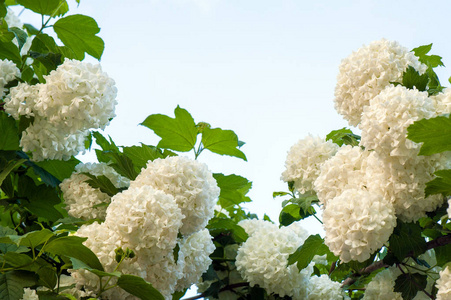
[[265, 69]]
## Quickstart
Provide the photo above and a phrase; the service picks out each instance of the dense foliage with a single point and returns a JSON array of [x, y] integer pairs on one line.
[[146, 222]]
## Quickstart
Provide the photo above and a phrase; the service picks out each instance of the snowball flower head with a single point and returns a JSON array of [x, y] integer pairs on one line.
[[29, 294], [195, 251], [263, 260], [145, 218], [345, 170], [189, 182], [357, 223], [323, 288], [366, 72], [442, 102], [8, 72], [46, 141], [21, 100], [253, 225], [304, 160], [385, 121], [382, 287], [78, 95], [82, 200], [444, 285]]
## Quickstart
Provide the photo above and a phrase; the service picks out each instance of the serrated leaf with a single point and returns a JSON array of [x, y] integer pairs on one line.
[[439, 185], [412, 79], [313, 245], [179, 133], [443, 254], [12, 284], [78, 32], [407, 238], [102, 183], [434, 133], [279, 194], [20, 35], [409, 284], [238, 232], [31, 29], [32, 239], [59, 168], [422, 50], [140, 155], [139, 287], [9, 139], [72, 247], [46, 7], [290, 214], [78, 264], [10, 51], [343, 136], [223, 142], [233, 189]]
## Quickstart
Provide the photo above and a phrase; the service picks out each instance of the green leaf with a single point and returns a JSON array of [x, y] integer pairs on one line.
[[313, 245], [223, 142], [13, 283], [279, 194], [9, 245], [233, 189], [59, 168], [140, 155], [422, 50], [9, 139], [31, 29], [238, 232], [343, 136], [179, 133], [78, 264], [179, 294], [443, 254], [439, 185], [10, 51], [434, 133], [139, 287], [78, 32], [20, 35], [45, 7], [9, 167], [290, 214], [102, 183], [3, 10], [32, 239], [409, 284], [407, 238], [72, 247], [412, 79]]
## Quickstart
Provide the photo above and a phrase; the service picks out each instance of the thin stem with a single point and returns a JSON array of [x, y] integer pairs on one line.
[[317, 218]]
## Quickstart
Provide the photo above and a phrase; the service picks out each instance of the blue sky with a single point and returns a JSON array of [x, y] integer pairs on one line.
[[265, 69]]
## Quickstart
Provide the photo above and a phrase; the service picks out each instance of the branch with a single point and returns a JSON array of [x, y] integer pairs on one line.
[[226, 288], [440, 241]]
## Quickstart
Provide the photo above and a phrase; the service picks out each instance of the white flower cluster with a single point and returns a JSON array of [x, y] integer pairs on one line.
[[366, 72], [190, 182], [76, 97], [8, 72], [357, 223], [147, 218], [442, 102], [29, 294], [304, 161], [382, 287], [444, 285], [83, 201], [323, 288], [263, 260]]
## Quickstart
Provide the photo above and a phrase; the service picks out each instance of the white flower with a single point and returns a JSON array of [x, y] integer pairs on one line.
[[29, 294], [145, 218], [46, 141], [21, 100], [382, 287], [195, 251], [191, 184], [444, 285], [12, 19], [347, 169], [442, 102], [83, 201], [323, 288], [77, 95], [357, 223], [8, 72], [366, 72], [304, 161], [385, 121], [253, 225], [263, 260]]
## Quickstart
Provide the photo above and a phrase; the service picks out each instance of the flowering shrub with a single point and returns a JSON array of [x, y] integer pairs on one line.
[[144, 222]]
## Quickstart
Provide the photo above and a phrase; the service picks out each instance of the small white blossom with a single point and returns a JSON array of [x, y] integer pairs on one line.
[[29, 294], [21, 100], [8, 72], [323, 288], [444, 285], [304, 161], [382, 287]]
